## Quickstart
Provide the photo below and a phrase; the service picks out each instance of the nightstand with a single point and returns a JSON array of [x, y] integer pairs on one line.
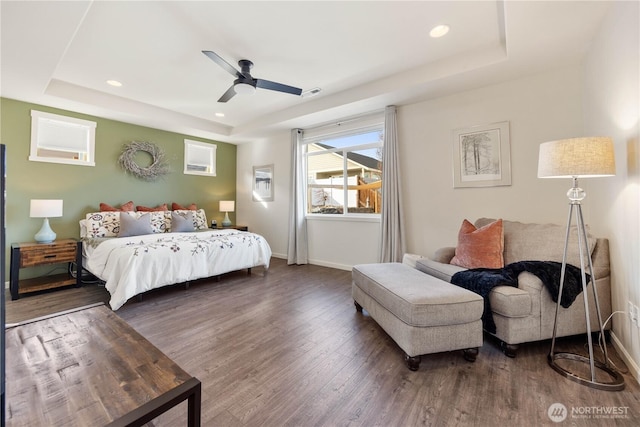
[[24, 255], [233, 227]]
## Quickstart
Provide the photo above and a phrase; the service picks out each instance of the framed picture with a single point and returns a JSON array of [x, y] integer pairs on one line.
[[482, 156], [263, 183]]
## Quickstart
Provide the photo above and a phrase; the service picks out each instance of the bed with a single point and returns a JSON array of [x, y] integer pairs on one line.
[[164, 254]]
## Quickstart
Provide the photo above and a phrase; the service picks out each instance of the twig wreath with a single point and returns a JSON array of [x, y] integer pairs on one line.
[[159, 165]]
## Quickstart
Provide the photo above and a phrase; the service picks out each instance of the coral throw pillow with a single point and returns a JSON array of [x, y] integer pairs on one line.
[[178, 207], [480, 247], [125, 207], [162, 207]]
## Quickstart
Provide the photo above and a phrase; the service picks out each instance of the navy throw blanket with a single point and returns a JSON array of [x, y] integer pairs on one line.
[[483, 280]]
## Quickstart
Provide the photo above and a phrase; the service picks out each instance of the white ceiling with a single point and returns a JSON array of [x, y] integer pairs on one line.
[[363, 54]]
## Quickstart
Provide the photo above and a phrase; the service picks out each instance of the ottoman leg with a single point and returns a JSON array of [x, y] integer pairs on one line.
[[358, 306], [413, 362], [470, 354]]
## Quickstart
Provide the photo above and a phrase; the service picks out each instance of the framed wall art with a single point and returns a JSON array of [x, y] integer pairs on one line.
[[482, 156], [263, 183]]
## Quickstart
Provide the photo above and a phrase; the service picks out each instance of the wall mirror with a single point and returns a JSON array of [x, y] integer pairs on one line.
[[62, 139], [199, 158]]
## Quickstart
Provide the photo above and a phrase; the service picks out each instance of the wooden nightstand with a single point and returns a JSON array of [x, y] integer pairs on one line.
[[24, 255]]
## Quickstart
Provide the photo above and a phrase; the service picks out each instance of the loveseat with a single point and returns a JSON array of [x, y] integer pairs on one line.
[[526, 313]]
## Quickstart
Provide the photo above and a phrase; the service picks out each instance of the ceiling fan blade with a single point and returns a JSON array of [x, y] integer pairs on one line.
[[221, 62], [279, 87], [230, 93]]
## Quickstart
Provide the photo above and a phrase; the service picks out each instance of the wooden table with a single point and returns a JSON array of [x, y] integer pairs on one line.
[[88, 367]]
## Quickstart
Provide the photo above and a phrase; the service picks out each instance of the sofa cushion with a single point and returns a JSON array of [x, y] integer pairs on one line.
[[437, 269], [510, 302], [416, 298], [538, 242], [480, 247]]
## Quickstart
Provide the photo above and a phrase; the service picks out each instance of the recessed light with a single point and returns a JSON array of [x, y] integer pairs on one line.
[[219, 114], [114, 83], [439, 31]]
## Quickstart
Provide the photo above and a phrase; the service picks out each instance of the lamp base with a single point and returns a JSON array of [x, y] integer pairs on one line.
[[226, 221], [46, 234], [616, 383]]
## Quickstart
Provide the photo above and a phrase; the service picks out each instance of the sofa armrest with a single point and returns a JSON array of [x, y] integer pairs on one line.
[[600, 258], [444, 255]]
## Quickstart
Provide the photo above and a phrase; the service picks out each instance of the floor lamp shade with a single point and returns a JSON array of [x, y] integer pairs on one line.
[[45, 208], [580, 158], [227, 206], [577, 157]]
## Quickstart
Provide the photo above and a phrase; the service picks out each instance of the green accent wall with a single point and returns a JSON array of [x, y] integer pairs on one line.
[[82, 188]]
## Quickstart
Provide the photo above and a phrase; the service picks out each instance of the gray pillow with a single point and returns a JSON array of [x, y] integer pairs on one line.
[[131, 226], [182, 223]]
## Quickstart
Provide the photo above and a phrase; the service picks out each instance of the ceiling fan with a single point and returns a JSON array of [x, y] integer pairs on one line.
[[245, 83]]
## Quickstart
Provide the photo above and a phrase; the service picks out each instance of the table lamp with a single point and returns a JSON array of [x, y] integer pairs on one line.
[[227, 206], [45, 209], [580, 158]]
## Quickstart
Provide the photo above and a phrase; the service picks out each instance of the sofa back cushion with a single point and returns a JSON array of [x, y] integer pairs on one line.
[[539, 242]]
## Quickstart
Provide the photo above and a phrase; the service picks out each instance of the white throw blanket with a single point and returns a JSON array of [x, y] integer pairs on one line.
[[133, 265]]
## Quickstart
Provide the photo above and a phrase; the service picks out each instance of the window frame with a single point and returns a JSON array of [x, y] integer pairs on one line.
[[188, 143], [351, 127], [39, 117]]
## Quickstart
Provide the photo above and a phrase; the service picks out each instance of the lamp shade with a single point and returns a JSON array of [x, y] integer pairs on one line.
[[227, 205], [41, 208], [577, 157]]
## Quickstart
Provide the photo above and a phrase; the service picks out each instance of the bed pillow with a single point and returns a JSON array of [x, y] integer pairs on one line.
[[182, 222], [103, 224], [480, 247], [125, 207], [132, 226], [178, 207], [199, 218], [160, 220], [162, 207]]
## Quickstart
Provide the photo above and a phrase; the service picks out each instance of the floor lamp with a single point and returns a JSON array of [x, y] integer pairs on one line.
[[580, 158]]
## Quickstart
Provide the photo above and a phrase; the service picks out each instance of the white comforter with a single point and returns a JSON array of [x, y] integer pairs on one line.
[[133, 265]]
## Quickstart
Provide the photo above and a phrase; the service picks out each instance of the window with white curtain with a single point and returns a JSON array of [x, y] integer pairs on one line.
[[344, 167]]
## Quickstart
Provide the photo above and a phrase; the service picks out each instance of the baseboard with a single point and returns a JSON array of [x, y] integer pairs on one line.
[[634, 369], [331, 265], [319, 262]]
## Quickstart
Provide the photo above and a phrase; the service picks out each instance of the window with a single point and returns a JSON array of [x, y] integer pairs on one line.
[[62, 139], [199, 158], [344, 168]]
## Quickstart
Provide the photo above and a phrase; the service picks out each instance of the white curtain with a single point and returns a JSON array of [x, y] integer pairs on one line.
[[393, 242], [298, 247]]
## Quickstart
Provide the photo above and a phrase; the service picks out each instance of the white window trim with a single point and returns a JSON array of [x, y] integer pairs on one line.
[[360, 124], [212, 159], [90, 126]]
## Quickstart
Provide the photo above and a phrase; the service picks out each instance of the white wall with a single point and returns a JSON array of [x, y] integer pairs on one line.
[[611, 106], [270, 219], [539, 108]]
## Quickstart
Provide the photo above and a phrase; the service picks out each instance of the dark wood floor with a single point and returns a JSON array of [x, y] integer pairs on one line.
[[289, 349]]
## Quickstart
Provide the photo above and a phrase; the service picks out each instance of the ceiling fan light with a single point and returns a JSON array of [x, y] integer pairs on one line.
[[244, 89]]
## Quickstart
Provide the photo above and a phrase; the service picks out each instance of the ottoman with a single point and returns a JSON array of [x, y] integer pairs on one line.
[[421, 313]]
